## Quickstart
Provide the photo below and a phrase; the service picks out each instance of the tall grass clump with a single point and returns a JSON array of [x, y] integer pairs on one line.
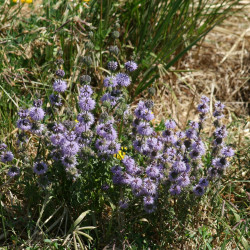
[[161, 31], [156, 34]]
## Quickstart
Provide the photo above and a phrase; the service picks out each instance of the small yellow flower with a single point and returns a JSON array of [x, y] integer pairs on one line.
[[76, 120], [22, 1], [120, 154]]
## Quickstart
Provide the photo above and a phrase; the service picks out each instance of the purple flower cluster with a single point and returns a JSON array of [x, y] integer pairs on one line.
[[7, 157], [59, 86], [220, 151], [107, 143], [69, 142], [150, 160], [114, 83], [40, 168], [30, 119], [175, 155], [86, 103], [131, 66], [203, 107]]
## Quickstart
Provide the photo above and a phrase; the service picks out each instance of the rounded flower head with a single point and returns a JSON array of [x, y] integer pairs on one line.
[[175, 190], [85, 79], [86, 91], [173, 175], [60, 73], [107, 99], [24, 124], [191, 133], [55, 100], [58, 128], [204, 99], [218, 115], [70, 148], [203, 182], [40, 168], [37, 128], [179, 166], [195, 154], [36, 114], [69, 161], [198, 190], [154, 144], [112, 65], [170, 124], [13, 171], [131, 66], [148, 200], [183, 180], [3, 146], [110, 81], [194, 124], [81, 128], [59, 85], [86, 103], [221, 132], [116, 169], [219, 106], [203, 108], [7, 157], [122, 79], [144, 129], [128, 161], [23, 113], [57, 139], [153, 171], [220, 162], [106, 131], [86, 118], [136, 183], [227, 151]]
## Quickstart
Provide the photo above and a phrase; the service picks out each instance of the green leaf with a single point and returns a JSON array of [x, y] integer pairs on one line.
[[78, 220], [86, 235], [245, 243]]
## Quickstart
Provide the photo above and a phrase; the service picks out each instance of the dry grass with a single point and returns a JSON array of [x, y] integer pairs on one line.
[[218, 68]]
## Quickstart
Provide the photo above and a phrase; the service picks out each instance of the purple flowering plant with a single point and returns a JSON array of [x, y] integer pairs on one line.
[[90, 148]]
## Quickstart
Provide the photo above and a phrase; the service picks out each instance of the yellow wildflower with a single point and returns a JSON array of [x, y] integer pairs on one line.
[[22, 1], [120, 154], [76, 120]]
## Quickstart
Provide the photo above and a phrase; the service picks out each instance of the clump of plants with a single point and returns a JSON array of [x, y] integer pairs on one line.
[[108, 145]]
